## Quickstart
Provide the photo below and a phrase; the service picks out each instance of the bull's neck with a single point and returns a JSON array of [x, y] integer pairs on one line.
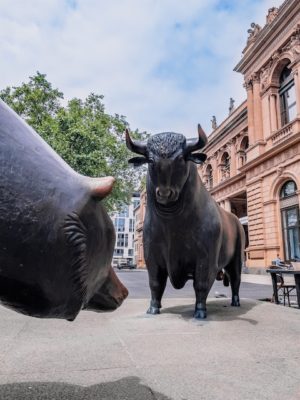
[[186, 198]]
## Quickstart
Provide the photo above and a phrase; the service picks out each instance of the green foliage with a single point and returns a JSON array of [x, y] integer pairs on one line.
[[82, 133]]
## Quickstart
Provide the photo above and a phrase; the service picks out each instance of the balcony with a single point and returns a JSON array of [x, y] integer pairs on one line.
[[283, 133]]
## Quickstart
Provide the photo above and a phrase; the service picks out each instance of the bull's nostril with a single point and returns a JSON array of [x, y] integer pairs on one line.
[[164, 193]]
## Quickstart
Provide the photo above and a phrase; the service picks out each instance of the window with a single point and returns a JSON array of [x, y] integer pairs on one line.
[[131, 225], [287, 96], [225, 166], [243, 148], [288, 189], [118, 252], [130, 252], [290, 220], [122, 240], [136, 203], [120, 224], [124, 212]]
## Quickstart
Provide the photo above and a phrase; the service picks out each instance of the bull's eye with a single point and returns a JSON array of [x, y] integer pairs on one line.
[[150, 160]]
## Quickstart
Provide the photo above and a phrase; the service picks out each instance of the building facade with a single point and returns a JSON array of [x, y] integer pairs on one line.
[[124, 226], [139, 214], [253, 156]]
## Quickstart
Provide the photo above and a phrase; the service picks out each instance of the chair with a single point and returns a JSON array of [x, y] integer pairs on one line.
[[284, 288]]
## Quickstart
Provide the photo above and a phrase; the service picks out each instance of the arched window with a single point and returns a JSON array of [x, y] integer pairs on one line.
[[287, 96], [225, 166], [244, 146], [288, 189], [209, 177], [289, 206]]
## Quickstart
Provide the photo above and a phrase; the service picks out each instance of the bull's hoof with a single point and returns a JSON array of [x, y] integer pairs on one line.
[[200, 314], [153, 310], [235, 301]]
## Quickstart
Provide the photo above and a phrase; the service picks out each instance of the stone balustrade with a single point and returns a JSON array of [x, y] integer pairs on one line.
[[283, 133]]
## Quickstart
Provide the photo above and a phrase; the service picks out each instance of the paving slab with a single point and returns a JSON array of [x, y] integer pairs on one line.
[[250, 352]]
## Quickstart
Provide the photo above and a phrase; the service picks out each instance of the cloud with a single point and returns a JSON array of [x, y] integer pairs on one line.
[[165, 64]]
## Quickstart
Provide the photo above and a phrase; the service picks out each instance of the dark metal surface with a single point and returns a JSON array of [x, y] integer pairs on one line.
[[56, 239], [295, 273], [186, 234]]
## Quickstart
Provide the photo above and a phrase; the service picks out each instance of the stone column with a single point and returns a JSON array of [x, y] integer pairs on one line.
[[297, 87], [273, 112], [257, 111], [249, 87], [214, 165], [233, 158], [227, 205]]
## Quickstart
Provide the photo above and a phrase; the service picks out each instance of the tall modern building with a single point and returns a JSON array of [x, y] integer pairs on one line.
[[253, 156], [124, 226]]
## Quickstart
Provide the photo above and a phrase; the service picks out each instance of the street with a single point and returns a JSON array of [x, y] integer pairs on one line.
[[136, 282], [127, 354]]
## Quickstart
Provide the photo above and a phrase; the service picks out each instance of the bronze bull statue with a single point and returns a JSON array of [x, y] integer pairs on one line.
[[186, 234], [56, 238]]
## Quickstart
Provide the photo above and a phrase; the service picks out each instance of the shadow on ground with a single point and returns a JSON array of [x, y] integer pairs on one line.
[[217, 310], [127, 388]]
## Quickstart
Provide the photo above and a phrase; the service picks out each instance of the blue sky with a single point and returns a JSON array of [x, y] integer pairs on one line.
[[164, 64]]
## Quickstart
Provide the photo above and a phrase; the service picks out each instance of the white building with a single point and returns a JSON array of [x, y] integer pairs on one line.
[[124, 226]]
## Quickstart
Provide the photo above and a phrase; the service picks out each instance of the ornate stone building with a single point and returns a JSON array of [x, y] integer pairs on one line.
[[253, 164]]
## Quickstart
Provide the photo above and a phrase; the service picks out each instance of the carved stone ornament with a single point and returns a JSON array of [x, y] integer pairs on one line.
[[253, 32], [295, 41], [280, 171], [256, 77], [264, 75], [272, 14], [231, 105], [275, 57], [214, 122], [248, 83]]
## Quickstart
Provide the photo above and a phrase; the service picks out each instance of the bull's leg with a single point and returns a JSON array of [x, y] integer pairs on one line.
[[202, 285], [234, 272], [157, 281]]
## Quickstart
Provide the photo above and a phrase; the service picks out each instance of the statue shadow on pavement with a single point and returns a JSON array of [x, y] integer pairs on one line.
[[126, 388], [218, 310]]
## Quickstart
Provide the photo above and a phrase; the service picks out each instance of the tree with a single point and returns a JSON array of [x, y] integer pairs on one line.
[[83, 134]]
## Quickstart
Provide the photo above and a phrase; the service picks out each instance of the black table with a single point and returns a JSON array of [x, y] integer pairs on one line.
[[296, 273]]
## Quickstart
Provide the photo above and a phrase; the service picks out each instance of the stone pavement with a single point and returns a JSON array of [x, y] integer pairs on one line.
[[251, 352], [257, 279]]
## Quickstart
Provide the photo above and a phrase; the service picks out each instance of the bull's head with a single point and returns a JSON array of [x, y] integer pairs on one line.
[[169, 155]]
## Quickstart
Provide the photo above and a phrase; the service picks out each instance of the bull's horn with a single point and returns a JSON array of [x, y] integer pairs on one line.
[[135, 146], [101, 187], [198, 143]]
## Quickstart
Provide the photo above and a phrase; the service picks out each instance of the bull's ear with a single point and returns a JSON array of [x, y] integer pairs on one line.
[[197, 158], [138, 161]]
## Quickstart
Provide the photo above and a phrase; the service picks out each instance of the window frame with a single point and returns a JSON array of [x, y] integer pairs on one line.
[[285, 85]]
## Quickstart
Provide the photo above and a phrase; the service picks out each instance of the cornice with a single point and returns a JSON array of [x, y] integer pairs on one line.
[[272, 35], [271, 152], [232, 124], [227, 182]]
